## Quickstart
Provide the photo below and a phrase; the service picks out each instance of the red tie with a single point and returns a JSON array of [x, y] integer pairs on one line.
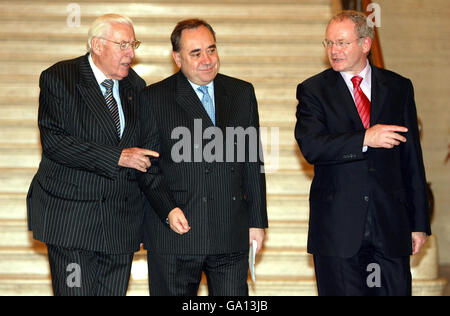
[[362, 103]]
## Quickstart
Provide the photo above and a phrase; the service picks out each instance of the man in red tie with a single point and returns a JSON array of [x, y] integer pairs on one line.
[[368, 202]]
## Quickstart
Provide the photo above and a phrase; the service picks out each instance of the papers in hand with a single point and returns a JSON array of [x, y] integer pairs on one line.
[[252, 259]]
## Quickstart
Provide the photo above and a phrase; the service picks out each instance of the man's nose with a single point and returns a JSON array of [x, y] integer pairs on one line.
[[129, 52], [206, 59]]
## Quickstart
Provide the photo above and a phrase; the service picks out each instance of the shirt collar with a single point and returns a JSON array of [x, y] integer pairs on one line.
[[99, 75], [209, 85], [365, 74]]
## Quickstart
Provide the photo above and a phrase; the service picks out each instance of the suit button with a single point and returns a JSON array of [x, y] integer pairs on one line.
[[234, 198], [232, 169], [205, 199], [207, 171], [366, 198]]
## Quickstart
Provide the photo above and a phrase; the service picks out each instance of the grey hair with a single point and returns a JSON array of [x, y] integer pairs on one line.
[[363, 29], [102, 25]]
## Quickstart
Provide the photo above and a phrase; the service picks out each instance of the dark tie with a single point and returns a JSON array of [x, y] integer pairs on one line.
[[111, 103], [362, 102]]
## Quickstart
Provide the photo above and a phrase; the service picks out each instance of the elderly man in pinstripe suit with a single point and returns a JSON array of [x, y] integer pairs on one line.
[[84, 201], [224, 202]]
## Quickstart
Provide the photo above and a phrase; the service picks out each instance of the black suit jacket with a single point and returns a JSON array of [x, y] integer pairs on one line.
[[80, 198], [346, 181], [221, 200]]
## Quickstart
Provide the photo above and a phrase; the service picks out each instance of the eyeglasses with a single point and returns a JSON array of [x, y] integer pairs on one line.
[[124, 45], [339, 44]]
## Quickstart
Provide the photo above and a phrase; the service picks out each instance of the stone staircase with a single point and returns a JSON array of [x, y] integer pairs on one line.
[[273, 44]]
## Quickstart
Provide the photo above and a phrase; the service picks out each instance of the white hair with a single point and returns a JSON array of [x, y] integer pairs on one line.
[[102, 26]]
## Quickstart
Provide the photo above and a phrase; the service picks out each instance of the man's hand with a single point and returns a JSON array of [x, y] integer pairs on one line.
[[418, 239], [258, 234], [136, 158], [178, 222], [384, 136]]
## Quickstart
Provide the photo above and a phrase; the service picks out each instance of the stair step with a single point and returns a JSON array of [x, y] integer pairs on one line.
[[53, 47], [288, 208], [29, 261], [20, 157], [27, 133], [16, 180], [287, 182], [279, 207], [248, 9], [258, 70], [29, 156], [263, 90], [292, 234], [288, 286], [13, 207], [282, 182], [287, 234], [29, 112], [41, 286], [159, 31]]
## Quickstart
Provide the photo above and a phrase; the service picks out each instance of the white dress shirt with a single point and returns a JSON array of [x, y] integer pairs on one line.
[[366, 84]]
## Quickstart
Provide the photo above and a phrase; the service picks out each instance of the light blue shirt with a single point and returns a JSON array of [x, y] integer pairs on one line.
[[200, 94], [100, 77]]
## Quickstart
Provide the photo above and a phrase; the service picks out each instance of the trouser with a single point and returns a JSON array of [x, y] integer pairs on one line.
[[87, 273], [368, 273], [180, 275]]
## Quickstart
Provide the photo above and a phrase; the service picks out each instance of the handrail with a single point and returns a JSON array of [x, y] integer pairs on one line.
[[376, 55]]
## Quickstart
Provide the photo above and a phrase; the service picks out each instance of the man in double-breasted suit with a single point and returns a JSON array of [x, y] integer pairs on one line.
[[85, 202], [369, 210], [223, 198]]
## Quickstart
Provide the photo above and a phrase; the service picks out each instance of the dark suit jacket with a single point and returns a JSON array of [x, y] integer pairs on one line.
[[80, 198], [221, 200], [346, 181]]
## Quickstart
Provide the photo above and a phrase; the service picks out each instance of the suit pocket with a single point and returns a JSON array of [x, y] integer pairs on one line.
[[60, 188]]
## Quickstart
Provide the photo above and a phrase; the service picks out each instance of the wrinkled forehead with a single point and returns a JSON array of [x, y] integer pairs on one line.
[[121, 32]]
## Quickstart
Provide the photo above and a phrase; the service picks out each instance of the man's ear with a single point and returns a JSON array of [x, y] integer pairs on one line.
[[367, 44], [177, 58], [97, 46]]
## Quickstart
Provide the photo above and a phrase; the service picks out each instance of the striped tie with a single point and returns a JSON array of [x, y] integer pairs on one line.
[[111, 103], [362, 102]]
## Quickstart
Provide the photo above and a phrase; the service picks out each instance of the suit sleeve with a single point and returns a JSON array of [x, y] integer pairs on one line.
[[57, 142], [414, 170], [254, 179], [152, 182], [317, 144]]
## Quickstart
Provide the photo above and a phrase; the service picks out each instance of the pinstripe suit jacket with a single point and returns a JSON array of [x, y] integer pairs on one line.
[[80, 198], [221, 200]]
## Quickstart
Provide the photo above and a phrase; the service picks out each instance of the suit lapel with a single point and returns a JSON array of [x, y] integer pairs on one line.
[[344, 98], [380, 92], [129, 106], [187, 99], [222, 103], [95, 101]]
